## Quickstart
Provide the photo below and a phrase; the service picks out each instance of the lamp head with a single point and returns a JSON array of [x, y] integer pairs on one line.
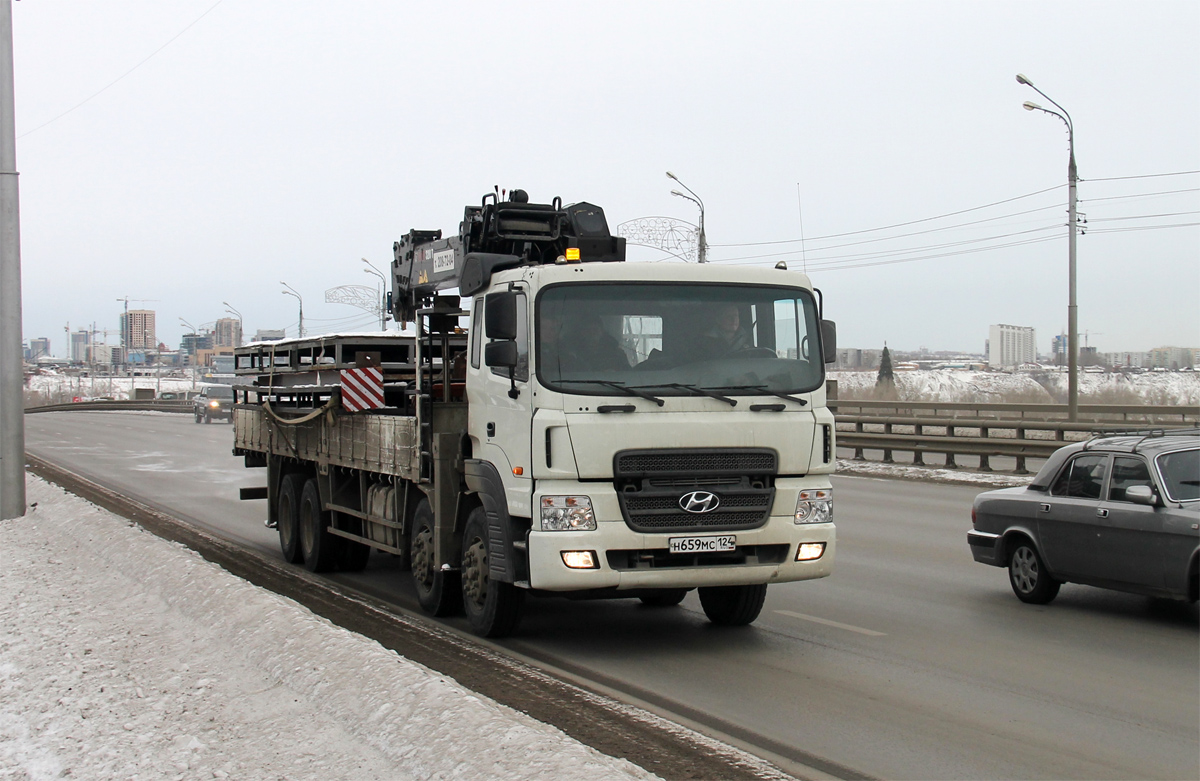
[[1021, 79], [672, 176], [676, 192], [1031, 106]]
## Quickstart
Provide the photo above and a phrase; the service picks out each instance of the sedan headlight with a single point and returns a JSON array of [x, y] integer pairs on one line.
[[815, 505], [567, 514]]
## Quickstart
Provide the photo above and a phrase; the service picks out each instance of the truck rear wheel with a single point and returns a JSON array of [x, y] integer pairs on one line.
[[733, 605], [287, 514], [437, 589], [318, 546], [493, 608]]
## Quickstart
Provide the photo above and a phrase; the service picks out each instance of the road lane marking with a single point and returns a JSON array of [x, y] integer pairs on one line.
[[827, 622]]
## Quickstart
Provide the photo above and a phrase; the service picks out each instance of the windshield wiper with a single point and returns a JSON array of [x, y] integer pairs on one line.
[[764, 389], [712, 394], [623, 388]]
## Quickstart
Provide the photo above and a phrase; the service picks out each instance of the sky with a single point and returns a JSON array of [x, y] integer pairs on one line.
[[192, 153]]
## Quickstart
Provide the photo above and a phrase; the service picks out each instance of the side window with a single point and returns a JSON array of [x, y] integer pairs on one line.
[[1082, 478], [1181, 474], [521, 373], [476, 332], [1127, 472]]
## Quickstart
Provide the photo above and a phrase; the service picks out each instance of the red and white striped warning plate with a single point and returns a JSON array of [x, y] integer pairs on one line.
[[362, 389]]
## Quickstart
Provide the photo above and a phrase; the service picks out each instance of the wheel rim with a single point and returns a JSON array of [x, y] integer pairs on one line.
[[1024, 570], [474, 573], [422, 559]]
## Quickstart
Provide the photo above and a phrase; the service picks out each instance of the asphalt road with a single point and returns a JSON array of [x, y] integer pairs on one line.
[[911, 661]]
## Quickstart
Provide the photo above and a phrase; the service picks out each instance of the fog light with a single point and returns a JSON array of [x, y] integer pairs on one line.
[[580, 559], [814, 505], [567, 513], [810, 551]]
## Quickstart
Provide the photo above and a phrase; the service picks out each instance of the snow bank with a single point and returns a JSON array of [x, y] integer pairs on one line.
[[1180, 388], [124, 655]]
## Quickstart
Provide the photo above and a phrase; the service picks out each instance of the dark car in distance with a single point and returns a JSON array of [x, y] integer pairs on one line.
[[1119, 511], [214, 402]]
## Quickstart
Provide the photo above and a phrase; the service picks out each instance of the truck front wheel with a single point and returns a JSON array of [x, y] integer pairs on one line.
[[437, 589], [733, 605], [493, 608]]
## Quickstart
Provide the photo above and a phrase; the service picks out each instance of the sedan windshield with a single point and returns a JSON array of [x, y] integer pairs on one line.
[[678, 340]]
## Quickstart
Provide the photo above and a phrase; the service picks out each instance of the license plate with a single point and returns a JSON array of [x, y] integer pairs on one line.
[[702, 544]]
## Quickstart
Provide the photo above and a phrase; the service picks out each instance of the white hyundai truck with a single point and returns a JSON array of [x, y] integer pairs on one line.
[[561, 423]]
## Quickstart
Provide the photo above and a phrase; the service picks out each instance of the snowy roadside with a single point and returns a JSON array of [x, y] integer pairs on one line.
[[124, 655]]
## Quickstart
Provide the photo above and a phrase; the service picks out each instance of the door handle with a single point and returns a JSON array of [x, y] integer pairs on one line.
[[1102, 513], [1044, 507]]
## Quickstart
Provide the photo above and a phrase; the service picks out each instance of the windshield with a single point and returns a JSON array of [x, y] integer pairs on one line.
[[672, 339], [1181, 474], [219, 392]]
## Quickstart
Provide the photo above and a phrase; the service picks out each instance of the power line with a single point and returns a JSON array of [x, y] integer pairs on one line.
[[1143, 176], [126, 73], [1140, 195], [896, 225]]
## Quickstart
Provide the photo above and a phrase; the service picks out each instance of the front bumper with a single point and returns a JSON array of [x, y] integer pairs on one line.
[[629, 559]]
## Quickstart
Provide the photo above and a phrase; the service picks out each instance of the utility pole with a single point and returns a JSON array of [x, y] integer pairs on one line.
[[12, 402]]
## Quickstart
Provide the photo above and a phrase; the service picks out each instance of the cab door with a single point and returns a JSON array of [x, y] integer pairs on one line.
[[499, 397]]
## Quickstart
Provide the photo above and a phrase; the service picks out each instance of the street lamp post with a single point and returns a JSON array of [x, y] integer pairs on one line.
[[292, 292], [1072, 308], [241, 328], [379, 298], [702, 251]]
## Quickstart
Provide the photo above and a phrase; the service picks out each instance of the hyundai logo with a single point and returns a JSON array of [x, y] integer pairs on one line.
[[699, 502]]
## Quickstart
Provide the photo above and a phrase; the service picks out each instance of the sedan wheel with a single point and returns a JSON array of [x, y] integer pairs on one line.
[[1030, 580]]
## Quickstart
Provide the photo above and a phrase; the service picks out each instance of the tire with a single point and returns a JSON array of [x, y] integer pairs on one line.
[[664, 597], [198, 418], [733, 605], [207, 418], [493, 608], [287, 514], [1027, 574], [437, 589], [319, 547]]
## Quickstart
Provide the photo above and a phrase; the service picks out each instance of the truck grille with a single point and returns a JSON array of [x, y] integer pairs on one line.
[[653, 486]]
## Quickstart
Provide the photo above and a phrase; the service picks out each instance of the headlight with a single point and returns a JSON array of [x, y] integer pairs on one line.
[[815, 505], [214, 404], [567, 513]]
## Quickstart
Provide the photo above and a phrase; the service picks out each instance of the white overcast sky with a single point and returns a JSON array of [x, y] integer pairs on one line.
[[286, 140]]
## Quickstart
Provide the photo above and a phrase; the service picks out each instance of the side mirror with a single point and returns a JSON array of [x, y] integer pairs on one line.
[[500, 316], [829, 341], [500, 354], [1141, 494]]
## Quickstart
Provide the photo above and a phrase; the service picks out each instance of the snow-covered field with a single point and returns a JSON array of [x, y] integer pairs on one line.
[[126, 656], [1180, 388]]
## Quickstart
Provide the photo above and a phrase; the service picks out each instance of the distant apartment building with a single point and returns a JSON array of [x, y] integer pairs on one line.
[[269, 334], [39, 348], [227, 332], [1010, 346], [1173, 358], [856, 358], [1126, 360], [106, 354], [81, 347], [137, 330], [194, 343]]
